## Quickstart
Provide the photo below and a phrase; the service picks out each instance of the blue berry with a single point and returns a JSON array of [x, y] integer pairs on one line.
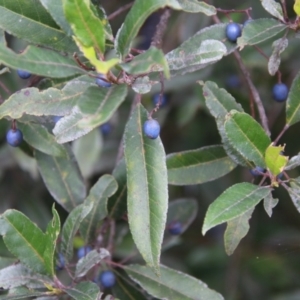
[[280, 92], [83, 251], [156, 98], [175, 228], [56, 118], [14, 137], [60, 262], [257, 171], [151, 128], [233, 31], [107, 279], [23, 74], [105, 128], [280, 176], [233, 81], [102, 82]]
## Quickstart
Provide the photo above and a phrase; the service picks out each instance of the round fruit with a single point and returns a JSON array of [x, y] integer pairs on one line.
[[175, 228], [105, 128], [60, 262], [151, 128], [102, 82], [23, 74], [156, 98], [257, 171], [280, 92], [107, 279], [83, 251], [14, 137], [233, 31]]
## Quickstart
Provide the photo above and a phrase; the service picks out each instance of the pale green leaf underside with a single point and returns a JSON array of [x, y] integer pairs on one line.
[[293, 103], [85, 290], [273, 8]]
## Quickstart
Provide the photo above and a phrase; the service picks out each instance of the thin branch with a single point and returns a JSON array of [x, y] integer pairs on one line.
[[5, 88], [119, 11], [285, 128], [160, 28]]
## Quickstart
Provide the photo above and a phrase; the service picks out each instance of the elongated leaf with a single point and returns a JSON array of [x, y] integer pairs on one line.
[[232, 203], [198, 166], [24, 240], [195, 6], [100, 12], [236, 230], [39, 61], [269, 204], [147, 188], [247, 136], [49, 102], [71, 227], [18, 275], [117, 203], [259, 30], [152, 60], [22, 293], [105, 187], [89, 261], [171, 284], [294, 192], [22, 26], [55, 8], [293, 104], [62, 178], [278, 47], [85, 290], [87, 28], [273, 8], [95, 107], [293, 163], [39, 137]]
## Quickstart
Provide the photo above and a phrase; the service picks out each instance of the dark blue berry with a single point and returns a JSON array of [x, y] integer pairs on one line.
[[156, 98], [280, 176], [102, 82], [56, 118], [233, 31], [175, 228], [280, 92], [60, 262], [83, 251], [14, 137], [105, 128], [233, 81], [257, 171], [151, 128], [23, 74], [107, 279]]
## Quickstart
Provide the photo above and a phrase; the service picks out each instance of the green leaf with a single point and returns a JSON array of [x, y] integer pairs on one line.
[[49, 102], [89, 261], [171, 284], [39, 138], [275, 161], [87, 151], [293, 104], [22, 293], [293, 163], [147, 186], [269, 204], [195, 6], [150, 61], [18, 275], [142, 85], [274, 8], [70, 229], [117, 203], [105, 187], [236, 230], [278, 47], [247, 137], [55, 8], [95, 107], [39, 61], [51, 234], [62, 178], [24, 240], [259, 30], [87, 28], [294, 192], [85, 290], [198, 166], [232, 203], [22, 26], [102, 16]]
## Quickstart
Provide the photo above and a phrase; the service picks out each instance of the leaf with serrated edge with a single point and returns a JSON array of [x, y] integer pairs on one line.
[[274, 8], [147, 185], [269, 204], [171, 284], [93, 258], [274, 61], [247, 137], [293, 103], [259, 30], [24, 240], [275, 161], [236, 229], [71, 227], [85, 290], [40, 61], [62, 178], [105, 187], [198, 166], [232, 203]]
